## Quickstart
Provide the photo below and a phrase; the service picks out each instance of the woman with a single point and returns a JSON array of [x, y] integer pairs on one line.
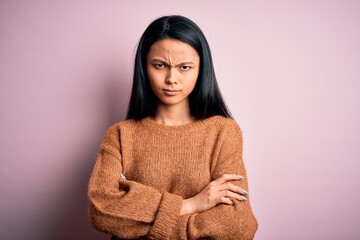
[[173, 169]]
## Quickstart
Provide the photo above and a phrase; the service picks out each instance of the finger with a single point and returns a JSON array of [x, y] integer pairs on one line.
[[227, 177], [230, 194], [226, 200], [232, 187]]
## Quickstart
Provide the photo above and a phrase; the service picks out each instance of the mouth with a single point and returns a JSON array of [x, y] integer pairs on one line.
[[171, 92]]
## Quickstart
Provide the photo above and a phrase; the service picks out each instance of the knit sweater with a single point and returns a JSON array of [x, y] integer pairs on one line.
[[164, 165]]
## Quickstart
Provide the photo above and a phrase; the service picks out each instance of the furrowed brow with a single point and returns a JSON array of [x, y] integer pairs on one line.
[[163, 61], [158, 60], [185, 63]]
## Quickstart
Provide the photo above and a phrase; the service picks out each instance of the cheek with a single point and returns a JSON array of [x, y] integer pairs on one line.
[[153, 84], [154, 78], [194, 78]]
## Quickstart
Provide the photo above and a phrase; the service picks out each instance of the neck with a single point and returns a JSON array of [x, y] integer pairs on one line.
[[173, 115]]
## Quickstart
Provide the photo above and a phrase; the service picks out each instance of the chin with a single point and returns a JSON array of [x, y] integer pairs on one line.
[[171, 101]]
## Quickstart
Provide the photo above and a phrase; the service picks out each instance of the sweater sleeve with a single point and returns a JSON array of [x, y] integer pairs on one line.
[[124, 208], [223, 221]]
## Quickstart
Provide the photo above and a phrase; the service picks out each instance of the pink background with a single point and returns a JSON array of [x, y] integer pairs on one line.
[[289, 71]]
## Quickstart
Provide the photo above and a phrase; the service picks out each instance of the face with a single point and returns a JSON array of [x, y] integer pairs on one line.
[[172, 68]]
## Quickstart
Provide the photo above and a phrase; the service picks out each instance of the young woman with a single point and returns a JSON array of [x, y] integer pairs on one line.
[[173, 169]]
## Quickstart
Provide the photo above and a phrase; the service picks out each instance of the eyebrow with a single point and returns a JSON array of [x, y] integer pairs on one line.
[[164, 61]]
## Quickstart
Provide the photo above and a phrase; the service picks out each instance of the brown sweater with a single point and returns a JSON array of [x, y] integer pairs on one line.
[[164, 165]]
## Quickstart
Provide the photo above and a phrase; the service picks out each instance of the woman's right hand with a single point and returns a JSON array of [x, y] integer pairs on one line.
[[218, 191]]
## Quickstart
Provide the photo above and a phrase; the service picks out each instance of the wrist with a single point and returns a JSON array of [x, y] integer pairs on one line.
[[187, 207]]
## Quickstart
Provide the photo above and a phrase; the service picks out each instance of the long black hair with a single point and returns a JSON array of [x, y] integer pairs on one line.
[[205, 100]]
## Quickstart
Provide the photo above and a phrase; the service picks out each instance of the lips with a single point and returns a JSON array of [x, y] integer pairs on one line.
[[170, 92]]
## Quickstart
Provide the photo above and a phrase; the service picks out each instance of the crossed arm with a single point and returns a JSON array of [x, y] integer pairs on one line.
[[129, 209]]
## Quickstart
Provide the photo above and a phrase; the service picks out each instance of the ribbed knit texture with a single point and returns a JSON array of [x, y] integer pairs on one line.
[[164, 165]]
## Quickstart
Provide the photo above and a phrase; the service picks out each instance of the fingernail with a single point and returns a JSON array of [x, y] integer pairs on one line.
[[245, 192], [239, 176], [243, 198], [232, 202]]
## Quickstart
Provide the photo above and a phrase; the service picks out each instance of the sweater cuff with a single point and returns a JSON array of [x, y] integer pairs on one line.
[[167, 216]]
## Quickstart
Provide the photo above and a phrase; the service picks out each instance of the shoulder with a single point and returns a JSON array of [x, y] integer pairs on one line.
[[228, 130], [225, 124], [119, 127]]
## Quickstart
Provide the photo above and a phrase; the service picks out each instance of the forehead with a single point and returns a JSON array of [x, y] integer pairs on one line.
[[172, 48]]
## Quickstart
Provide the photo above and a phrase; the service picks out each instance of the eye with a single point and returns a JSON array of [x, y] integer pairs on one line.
[[185, 68], [159, 65]]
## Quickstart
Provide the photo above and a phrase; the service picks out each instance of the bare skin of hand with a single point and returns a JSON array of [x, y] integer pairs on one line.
[[218, 191]]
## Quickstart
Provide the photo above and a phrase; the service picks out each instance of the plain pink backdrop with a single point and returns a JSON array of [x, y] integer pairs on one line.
[[289, 71]]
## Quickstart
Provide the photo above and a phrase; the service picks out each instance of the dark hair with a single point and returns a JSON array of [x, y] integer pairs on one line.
[[205, 100]]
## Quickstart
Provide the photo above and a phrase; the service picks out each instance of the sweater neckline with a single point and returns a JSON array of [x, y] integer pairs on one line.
[[183, 129]]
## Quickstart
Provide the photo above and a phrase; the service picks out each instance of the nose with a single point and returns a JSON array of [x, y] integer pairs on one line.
[[171, 76]]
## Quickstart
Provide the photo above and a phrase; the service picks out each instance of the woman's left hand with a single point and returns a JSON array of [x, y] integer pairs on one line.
[[218, 191]]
